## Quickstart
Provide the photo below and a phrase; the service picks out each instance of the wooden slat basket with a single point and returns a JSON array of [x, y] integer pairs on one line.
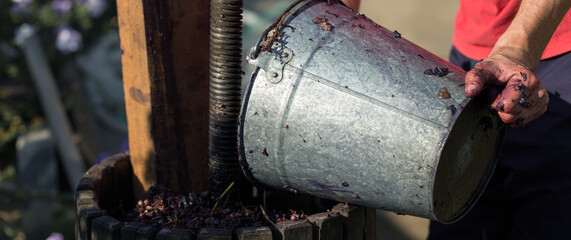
[[107, 187]]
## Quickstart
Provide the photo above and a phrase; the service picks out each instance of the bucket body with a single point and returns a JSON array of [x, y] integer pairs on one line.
[[341, 108]]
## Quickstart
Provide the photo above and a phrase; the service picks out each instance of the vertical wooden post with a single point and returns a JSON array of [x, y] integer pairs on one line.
[[165, 46]]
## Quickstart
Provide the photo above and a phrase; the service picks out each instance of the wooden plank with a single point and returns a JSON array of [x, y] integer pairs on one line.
[[214, 234], [298, 230], [106, 228], [370, 223], [85, 200], [353, 220], [121, 192], [190, 41], [91, 178], [129, 230], [175, 234], [165, 72], [83, 221], [146, 232], [254, 233], [88, 195], [326, 226], [104, 188], [137, 87]]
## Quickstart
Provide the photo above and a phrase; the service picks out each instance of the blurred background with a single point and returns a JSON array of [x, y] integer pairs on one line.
[[61, 60]]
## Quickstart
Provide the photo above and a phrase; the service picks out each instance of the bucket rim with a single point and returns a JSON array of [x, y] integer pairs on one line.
[[478, 191]]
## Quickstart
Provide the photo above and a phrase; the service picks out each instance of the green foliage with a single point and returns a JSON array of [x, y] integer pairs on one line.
[[20, 110], [18, 115], [47, 18]]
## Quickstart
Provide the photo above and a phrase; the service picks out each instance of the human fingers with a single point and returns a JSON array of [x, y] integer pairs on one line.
[[523, 99], [485, 72]]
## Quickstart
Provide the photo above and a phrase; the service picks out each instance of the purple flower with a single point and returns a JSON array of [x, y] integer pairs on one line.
[[100, 157], [20, 6], [55, 236], [125, 146], [94, 7], [68, 40], [61, 6]]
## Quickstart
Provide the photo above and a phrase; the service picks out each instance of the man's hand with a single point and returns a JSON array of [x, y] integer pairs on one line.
[[353, 4], [518, 94]]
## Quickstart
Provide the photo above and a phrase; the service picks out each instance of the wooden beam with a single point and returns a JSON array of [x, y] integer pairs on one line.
[[164, 46]]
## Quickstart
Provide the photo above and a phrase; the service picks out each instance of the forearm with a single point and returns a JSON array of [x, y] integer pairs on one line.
[[531, 29]]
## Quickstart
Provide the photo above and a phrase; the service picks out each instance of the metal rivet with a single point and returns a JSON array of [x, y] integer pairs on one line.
[[285, 55], [275, 74]]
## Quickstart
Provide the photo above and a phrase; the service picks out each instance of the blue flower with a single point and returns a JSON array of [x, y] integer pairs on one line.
[[68, 40], [61, 6]]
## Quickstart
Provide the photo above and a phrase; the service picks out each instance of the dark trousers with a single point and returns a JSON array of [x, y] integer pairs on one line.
[[529, 195]]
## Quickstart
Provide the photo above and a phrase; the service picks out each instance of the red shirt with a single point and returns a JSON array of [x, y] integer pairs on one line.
[[479, 24]]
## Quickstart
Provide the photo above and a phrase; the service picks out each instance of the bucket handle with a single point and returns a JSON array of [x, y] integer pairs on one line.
[[273, 64], [277, 27]]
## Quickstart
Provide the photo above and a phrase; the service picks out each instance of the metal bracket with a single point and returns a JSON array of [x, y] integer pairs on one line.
[[272, 63]]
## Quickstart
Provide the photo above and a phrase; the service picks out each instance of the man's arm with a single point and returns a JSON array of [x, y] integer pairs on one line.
[[509, 65], [353, 4]]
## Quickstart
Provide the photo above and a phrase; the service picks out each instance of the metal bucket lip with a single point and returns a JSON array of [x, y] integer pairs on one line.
[[481, 187], [241, 118]]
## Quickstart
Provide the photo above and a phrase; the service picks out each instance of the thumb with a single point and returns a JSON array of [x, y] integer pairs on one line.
[[474, 83], [478, 77]]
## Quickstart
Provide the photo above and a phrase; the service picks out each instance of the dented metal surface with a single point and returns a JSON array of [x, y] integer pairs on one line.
[[341, 109]]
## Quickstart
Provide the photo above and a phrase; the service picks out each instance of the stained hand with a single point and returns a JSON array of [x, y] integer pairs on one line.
[[518, 94]]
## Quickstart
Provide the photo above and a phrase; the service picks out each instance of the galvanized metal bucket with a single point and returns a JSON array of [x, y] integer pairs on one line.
[[344, 109]]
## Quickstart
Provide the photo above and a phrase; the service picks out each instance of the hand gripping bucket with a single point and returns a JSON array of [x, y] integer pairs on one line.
[[341, 108]]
